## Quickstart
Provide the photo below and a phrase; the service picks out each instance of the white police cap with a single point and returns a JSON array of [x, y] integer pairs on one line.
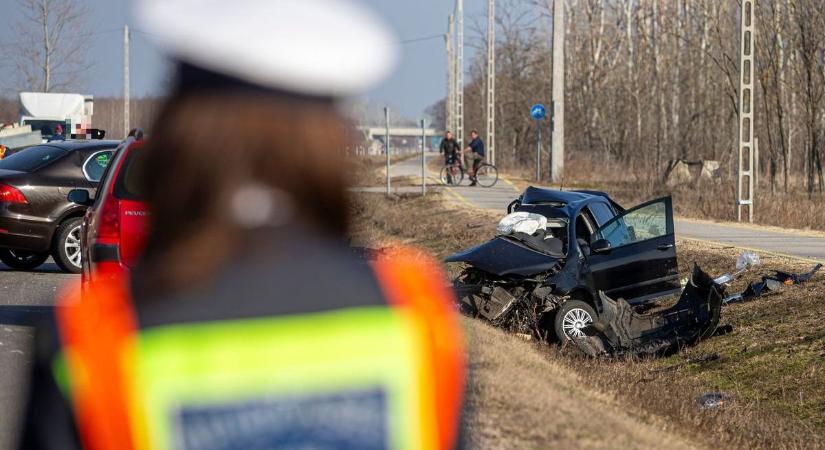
[[323, 48]]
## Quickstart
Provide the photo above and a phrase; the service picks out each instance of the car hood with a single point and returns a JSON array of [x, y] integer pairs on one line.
[[503, 257]]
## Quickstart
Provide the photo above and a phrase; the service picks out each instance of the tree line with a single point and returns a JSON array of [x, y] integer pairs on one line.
[[648, 81]]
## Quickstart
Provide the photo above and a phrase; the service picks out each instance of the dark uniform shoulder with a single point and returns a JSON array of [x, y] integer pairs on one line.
[[294, 275]]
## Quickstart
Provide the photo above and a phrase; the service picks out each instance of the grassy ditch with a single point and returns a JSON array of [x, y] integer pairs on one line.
[[529, 395]]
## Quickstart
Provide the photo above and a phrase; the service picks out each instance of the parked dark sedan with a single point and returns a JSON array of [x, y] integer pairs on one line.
[[36, 219]]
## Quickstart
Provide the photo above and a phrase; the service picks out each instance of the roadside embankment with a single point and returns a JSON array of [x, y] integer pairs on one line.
[[530, 395]]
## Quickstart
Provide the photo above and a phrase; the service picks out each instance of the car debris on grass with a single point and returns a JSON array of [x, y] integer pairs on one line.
[[776, 282]]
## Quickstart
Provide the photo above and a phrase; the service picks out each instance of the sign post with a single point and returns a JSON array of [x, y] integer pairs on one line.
[[423, 160], [538, 112]]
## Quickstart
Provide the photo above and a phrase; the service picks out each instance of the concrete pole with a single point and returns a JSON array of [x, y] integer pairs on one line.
[[423, 160], [125, 81], [387, 145], [747, 76], [557, 149], [491, 82], [459, 74], [450, 102]]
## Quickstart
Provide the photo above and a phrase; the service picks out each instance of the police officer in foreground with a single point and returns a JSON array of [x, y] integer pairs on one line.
[[248, 324]]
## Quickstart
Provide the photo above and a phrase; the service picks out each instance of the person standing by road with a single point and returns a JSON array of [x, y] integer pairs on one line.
[[451, 151], [474, 156], [247, 322], [449, 148]]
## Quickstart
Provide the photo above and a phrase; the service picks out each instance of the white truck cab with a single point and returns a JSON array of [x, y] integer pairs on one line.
[[43, 111]]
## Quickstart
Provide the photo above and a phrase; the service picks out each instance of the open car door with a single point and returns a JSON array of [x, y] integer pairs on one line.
[[639, 264]]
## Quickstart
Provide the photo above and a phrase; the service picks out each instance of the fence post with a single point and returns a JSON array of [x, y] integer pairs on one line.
[[387, 145], [423, 160]]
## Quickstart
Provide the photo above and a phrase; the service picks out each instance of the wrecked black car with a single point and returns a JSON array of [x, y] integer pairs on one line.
[[545, 278]]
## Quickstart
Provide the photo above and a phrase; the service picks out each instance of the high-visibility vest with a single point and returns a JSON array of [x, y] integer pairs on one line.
[[367, 377]]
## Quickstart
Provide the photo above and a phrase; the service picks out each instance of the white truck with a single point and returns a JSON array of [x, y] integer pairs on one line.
[[43, 111]]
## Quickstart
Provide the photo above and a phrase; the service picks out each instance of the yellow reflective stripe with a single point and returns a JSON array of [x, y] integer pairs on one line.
[[60, 372], [210, 363]]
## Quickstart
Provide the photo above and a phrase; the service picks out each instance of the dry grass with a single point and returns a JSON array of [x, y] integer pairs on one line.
[[520, 399], [370, 170], [773, 364]]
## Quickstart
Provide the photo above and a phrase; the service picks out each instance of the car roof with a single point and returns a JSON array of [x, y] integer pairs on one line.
[[534, 195], [81, 144], [568, 201]]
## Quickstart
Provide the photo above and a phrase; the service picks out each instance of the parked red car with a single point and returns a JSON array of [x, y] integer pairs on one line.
[[114, 227]]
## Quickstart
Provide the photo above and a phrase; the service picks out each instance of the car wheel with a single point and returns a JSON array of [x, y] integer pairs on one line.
[[573, 316], [66, 250], [22, 259]]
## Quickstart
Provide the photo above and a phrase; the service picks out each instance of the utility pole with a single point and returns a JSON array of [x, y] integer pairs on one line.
[[125, 81], [459, 73], [491, 82], [744, 192], [450, 106], [557, 119]]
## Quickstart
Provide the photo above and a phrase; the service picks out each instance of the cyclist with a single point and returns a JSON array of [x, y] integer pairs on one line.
[[474, 156], [450, 149]]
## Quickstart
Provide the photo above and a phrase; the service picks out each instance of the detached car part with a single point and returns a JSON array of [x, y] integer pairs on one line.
[[621, 330], [772, 283]]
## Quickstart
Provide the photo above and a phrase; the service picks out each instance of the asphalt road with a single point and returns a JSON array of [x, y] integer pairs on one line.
[[25, 297]]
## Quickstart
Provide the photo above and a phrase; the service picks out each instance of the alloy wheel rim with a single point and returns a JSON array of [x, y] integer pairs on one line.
[[575, 321], [72, 246]]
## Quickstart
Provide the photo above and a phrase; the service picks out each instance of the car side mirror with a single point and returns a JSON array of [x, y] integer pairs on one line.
[[80, 196], [601, 246]]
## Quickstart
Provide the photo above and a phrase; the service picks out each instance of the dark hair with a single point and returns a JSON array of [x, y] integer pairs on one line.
[[473, 131], [204, 147]]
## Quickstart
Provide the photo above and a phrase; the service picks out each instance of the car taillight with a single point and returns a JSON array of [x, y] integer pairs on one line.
[[10, 194], [109, 227]]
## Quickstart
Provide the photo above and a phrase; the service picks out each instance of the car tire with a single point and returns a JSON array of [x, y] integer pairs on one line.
[[572, 317], [22, 259], [66, 249]]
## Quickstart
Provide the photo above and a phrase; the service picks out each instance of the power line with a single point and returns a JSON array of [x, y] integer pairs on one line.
[[77, 36], [135, 30], [420, 39]]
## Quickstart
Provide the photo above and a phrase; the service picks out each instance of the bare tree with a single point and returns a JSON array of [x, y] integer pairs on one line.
[[51, 52]]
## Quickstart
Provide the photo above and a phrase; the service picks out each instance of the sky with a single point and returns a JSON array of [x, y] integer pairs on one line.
[[418, 81]]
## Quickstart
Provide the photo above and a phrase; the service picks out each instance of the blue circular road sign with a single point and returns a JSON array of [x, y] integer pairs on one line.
[[538, 112]]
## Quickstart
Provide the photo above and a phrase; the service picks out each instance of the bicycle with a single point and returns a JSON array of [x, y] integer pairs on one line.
[[486, 175], [452, 174]]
